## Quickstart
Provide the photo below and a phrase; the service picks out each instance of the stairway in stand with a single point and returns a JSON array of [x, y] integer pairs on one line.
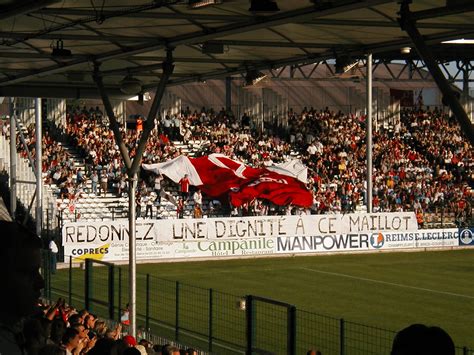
[[90, 207]]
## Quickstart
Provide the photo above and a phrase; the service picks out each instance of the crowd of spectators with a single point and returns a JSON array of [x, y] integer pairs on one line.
[[29, 326], [423, 164], [61, 329]]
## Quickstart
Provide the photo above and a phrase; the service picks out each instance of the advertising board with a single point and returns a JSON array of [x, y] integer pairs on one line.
[[250, 236]]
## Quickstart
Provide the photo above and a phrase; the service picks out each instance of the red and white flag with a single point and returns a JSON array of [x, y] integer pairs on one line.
[[218, 175]]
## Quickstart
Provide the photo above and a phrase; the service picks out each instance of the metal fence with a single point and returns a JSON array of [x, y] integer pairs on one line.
[[213, 321]]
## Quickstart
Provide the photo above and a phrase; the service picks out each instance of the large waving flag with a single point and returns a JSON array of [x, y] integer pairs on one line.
[[218, 175]]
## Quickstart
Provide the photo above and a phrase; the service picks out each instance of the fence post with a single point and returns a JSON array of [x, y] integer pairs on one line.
[[47, 225], [119, 315], [111, 291], [291, 330], [70, 280], [342, 336], [177, 312], [46, 273], [87, 286], [250, 324], [210, 319], [147, 303]]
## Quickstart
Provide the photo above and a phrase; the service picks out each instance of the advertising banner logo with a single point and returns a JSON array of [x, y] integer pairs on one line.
[[466, 236]]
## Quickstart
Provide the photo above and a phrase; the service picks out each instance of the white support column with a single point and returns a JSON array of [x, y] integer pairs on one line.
[[39, 176], [369, 133], [13, 183], [175, 104], [132, 254]]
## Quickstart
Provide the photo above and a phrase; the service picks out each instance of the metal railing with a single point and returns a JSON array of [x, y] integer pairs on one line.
[[211, 320]]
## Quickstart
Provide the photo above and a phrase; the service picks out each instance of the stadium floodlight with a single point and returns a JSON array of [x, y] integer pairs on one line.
[[130, 85], [263, 6], [60, 51], [141, 97], [196, 4], [459, 41], [405, 50], [344, 64], [253, 77]]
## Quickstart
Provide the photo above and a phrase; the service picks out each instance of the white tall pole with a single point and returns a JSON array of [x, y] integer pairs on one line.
[[39, 178], [132, 288], [13, 186], [369, 132]]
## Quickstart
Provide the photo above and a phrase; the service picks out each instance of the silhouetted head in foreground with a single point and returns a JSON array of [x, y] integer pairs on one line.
[[419, 339], [20, 261]]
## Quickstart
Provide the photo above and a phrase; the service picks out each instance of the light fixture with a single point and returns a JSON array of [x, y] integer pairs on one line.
[[405, 50], [253, 77], [344, 64], [460, 41], [130, 85], [196, 4], [263, 6], [144, 97], [59, 50]]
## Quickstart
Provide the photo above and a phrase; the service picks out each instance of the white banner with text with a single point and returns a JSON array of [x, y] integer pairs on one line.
[[251, 236]]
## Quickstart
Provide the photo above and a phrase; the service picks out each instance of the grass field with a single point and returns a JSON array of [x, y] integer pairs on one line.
[[385, 290]]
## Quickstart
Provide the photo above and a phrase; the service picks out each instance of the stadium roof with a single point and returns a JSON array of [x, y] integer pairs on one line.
[[130, 38]]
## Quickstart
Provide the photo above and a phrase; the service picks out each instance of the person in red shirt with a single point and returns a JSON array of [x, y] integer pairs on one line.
[[139, 125], [184, 184]]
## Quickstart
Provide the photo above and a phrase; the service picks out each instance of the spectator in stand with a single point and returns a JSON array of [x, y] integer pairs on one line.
[[167, 125], [197, 211], [139, 126], [138, 204], [72, 342], [148, 201], [180, 208], [103, 183], [94, 182], [184, 187], [157, 187], [169, 350], [53, 254], [197, 197]]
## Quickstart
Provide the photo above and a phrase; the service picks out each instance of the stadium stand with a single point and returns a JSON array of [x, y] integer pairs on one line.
[[414, 167]]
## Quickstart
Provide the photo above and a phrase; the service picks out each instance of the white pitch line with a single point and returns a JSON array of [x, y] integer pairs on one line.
[[387, 283]]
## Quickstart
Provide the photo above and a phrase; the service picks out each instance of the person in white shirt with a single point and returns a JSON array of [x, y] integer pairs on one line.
[[53, 252], [197, 197]]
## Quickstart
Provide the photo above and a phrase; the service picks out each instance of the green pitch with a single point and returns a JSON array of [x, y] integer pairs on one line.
[[383, 290], [387, 290]]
